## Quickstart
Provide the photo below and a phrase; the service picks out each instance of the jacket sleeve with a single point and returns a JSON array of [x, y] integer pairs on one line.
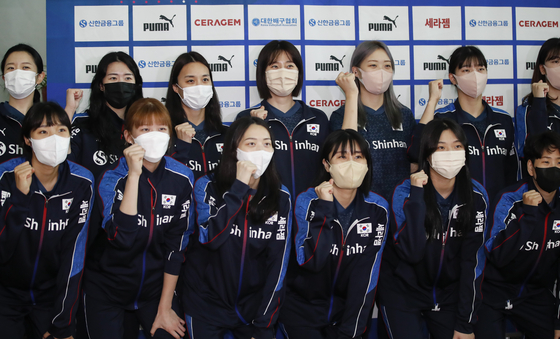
[[315, 232], [409, 233], [72, 254], [335, 122], [180, 151], [472, 265], [120, 228], [536, 117], [277, 258], [15, 208], [413, 151], [512, 225], [76, 145], [361, 295], [513, 170], [214, 222], [178, 233], [557, 315]]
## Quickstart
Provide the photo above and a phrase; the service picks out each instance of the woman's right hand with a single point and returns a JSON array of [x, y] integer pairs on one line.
[[259, 113], [185, 132], [540, 89], [24, 175], [435, 89], [325, 190], [245, 169], [419, 179], [347, 82], [134, 155]]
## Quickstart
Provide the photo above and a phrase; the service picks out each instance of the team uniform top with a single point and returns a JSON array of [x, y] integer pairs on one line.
[[204, 152], [43, 239], [335, 277], [127, 261], [86, 148], [523, 249], [234, 273], [534, 119], [10, 130], [388, 147], [418, 274], [492, 156], [299, 148]]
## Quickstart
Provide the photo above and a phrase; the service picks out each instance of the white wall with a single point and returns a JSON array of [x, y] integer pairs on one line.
[[22, 21]]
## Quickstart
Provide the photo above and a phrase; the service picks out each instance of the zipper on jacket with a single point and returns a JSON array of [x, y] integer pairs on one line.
[[443, 242], [245, 234], [153, 207], [39, 249], [483, 149]]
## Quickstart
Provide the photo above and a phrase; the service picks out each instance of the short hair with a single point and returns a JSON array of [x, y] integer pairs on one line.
[[51, 111], [268, 55], [144, 112], [536, 144], [466, 54]]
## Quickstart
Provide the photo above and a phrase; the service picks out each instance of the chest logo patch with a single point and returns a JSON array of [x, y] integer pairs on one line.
[[167, 200], [500, 134], [220, 147], [313, 129], [556, 226], [66, 203], [364, 228]]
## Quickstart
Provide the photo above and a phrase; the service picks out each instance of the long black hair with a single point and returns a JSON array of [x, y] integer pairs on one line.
[[174, 104], [99, 123], [225, 173], [549, 50], [339, 140], [391, 104], [463, 184], [36, 59]]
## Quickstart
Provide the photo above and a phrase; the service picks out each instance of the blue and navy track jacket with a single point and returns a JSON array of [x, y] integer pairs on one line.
[[493, 160], [127, 262], [444, 273], [335, 277], [523, 249], [234, 274], [388, 147], [200, 156], [534, 119], [10, 130], [86, 148], [43, 242], [297, 155]]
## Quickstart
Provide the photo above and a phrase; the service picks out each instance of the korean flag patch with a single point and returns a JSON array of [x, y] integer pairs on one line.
[[167, 200], [313, 129], [556, 226], [500, 134], [66, 203], [364, 228], [220, 147]]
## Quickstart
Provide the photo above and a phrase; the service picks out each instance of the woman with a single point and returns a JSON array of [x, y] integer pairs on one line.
[[193, 104], [46, 204], [22, 71], [372, 109], [233, 277], [433, 258], [340, 238], [489, 130], [299, 130], [135, 262], [97, 134], [540, 109]]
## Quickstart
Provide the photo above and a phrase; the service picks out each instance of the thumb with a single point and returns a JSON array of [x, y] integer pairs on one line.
[[540, 82], [331, 181], [153, 330]]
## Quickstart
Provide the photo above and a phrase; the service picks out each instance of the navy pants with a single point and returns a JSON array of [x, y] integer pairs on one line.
[[409, 325], [199, 329], [17, 321]]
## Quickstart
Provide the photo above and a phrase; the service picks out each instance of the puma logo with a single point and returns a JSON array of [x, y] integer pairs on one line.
[[163, 17], [226, 60], [336, 59], [442, 58], [389, 19]]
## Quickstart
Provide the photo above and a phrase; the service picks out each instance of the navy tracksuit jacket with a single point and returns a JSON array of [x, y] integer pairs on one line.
[[297, 155], [43, 242], [534, 119], [130, 255], [335, 277], [420, 275], [493, 159], [10, 130], [522, 249], [234, 273]]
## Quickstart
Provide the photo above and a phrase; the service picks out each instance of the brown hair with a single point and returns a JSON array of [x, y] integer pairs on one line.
[[144, 112]]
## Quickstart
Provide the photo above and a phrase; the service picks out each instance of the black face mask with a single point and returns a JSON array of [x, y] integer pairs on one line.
[[548, 178], [119, 94]]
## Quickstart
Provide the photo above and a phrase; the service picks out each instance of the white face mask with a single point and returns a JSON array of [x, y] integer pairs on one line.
[[196, 97], [261, 159], [52, 150], [282, 81], [154, 143], [448, 163], [19, 83]]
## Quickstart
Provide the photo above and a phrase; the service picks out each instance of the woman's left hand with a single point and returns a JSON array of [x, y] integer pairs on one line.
[[185, 132], [459, 335], [169, 321], [47, 334]]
